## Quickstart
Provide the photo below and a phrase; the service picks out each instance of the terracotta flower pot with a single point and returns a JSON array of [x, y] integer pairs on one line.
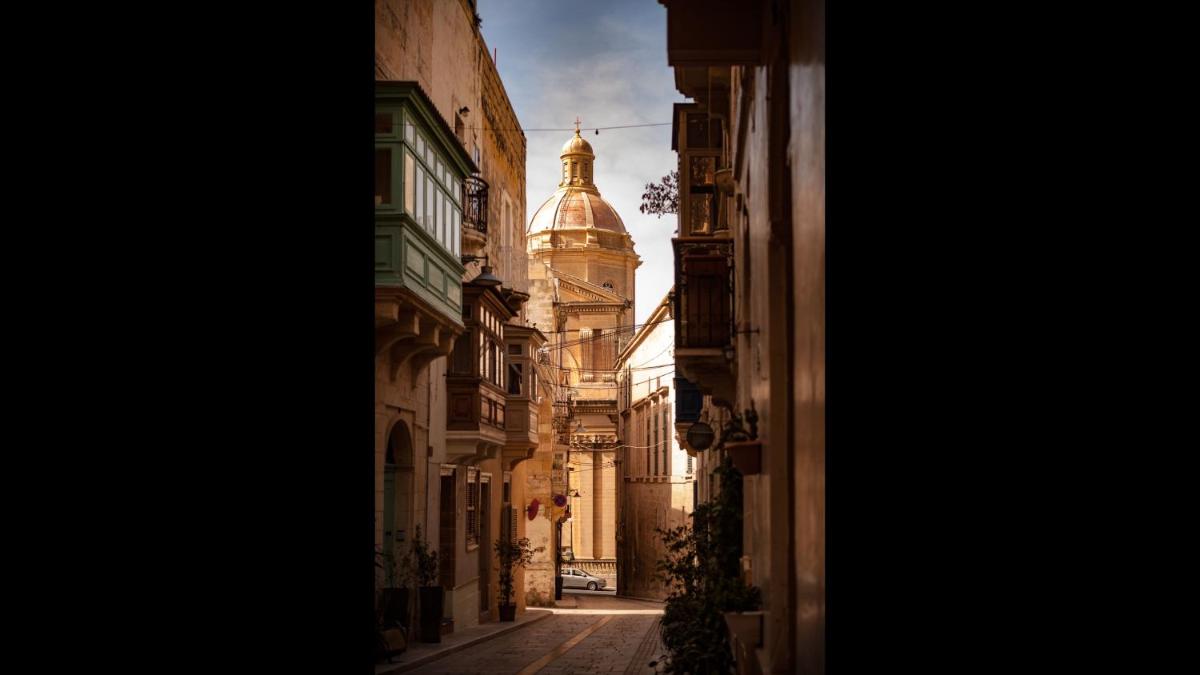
[[747, 627], [746, 456], [724, 180]]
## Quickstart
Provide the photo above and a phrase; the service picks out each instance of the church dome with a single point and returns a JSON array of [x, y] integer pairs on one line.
[[571, 208], [577, 204]]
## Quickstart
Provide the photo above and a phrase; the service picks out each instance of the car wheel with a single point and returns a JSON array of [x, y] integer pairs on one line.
[[592, 586]]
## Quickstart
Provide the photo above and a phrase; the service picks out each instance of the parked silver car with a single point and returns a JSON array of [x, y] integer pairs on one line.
[[573, 578]]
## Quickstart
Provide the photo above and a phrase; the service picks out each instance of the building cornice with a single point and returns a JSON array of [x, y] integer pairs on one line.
[[660, 313]]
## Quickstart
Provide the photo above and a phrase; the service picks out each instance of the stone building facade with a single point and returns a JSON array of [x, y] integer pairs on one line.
[[750, 294], [655, 474], [581, 275], [460, 416]]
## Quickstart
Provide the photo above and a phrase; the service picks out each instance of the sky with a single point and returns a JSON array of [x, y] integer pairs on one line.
[[607, 63]]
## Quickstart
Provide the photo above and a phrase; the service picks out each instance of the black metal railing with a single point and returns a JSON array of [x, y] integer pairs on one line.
[[475, 204], [703, 294]]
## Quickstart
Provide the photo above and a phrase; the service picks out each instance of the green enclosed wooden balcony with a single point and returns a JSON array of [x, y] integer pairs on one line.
[[420, 172]]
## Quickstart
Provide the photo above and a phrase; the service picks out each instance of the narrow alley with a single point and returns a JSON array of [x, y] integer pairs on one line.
[[604, 634]]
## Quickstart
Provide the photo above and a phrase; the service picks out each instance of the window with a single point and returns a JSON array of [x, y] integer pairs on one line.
[[383, 123], [418, 179], [647, 443], [586, 347], [409, 182], [515, 378], [666, 438], [461, 360], [383, 176], [654, 442], [472, 506]]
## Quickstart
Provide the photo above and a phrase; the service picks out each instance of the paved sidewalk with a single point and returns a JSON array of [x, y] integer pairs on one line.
[[420, 653]]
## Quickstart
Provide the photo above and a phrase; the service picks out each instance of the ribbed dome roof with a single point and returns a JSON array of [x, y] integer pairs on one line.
[[572, 208], [577, 145], [577, 204]]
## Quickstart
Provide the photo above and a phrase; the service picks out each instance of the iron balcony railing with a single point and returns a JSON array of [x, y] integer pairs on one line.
[[703, 293], [475, 204]]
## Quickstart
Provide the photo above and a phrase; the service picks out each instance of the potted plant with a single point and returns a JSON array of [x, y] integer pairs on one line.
[[425, 566], [397, 572], [391, 638], [512, 555], [742, 445], [710, 614]]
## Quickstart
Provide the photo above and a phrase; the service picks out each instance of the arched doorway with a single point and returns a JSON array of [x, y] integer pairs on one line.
[[398, 489]]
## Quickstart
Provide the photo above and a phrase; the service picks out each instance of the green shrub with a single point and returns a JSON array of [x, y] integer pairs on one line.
[[701, 570]]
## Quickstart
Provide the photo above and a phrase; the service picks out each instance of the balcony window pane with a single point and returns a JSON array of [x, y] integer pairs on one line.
[[409, 182], [430, 207], [445, 238], [410, 133], [383, 176], [433, 207], [515, 377], [419, 186], [701, 212], [702, 170], [421, 146]]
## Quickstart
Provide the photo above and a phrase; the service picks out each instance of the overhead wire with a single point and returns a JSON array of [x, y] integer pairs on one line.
[[580, 129]]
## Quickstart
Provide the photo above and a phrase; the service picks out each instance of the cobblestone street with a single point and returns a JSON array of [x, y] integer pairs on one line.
[[604, 634]]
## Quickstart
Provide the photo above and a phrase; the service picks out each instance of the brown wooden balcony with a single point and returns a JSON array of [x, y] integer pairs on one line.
[[522, 386], [476, 402], [714, 32], [703, 311]]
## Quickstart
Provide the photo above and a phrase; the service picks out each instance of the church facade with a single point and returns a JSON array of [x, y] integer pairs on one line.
[[581, 285]]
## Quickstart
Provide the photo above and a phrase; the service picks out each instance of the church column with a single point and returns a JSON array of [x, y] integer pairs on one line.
[[598, 504]]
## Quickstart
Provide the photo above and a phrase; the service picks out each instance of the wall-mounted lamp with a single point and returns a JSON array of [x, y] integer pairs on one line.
[[485, 278]]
